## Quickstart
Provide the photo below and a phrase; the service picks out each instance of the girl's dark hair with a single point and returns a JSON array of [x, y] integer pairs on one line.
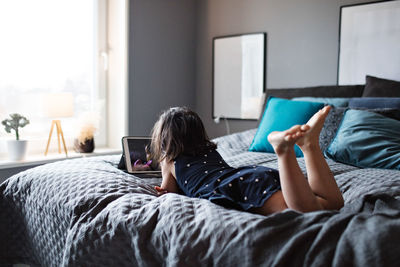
[[178, 131]]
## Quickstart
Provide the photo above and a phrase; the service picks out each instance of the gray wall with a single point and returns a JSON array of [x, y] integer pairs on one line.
[[161, 59], [302, 45]]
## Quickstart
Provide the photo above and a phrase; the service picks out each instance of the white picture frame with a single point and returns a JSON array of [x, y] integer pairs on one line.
[[369, 42], [239, 67]]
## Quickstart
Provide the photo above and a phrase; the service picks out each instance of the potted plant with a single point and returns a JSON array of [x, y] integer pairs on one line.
[[17, 147]]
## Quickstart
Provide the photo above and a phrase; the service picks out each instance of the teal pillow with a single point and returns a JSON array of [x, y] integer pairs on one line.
[[366, 140], [279, 115], [332, 101]]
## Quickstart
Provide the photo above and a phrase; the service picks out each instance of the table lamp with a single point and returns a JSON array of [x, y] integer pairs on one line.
[[56, 106]]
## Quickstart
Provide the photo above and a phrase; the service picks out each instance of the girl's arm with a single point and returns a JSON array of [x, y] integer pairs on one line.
[[168, 184]]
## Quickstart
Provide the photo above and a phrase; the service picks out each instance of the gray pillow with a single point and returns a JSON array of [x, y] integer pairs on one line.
[[332, 101], [387, 112], [366, 140], [335, 116], [378, 87]]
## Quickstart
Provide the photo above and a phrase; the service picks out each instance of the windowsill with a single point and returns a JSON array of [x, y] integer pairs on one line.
[[34, 160]]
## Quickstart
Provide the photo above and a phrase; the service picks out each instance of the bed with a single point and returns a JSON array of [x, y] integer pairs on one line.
[[87, 212]]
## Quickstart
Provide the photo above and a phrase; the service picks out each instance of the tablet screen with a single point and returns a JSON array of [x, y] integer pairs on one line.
[[136, 156]]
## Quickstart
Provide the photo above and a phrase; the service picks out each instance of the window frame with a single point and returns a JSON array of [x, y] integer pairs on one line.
[[110, 130]]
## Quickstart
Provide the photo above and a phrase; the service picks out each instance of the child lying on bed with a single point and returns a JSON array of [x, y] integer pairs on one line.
[[191, 164]]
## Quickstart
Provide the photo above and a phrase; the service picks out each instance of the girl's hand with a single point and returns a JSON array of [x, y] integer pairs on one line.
[[160, 191]]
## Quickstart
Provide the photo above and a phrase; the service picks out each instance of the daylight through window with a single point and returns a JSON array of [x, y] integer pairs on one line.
[[47, 47]]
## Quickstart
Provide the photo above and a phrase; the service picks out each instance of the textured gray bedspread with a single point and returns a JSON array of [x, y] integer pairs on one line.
[[86, 212]]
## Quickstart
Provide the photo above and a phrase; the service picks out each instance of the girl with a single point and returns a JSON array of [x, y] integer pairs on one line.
[[191, 164]]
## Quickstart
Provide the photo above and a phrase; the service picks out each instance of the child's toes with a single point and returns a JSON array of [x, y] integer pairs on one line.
[[305, 127], [289, 137], [293, 129]]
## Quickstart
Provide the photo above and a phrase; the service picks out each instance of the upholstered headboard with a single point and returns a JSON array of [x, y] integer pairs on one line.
[[374, 87], [318, 91]]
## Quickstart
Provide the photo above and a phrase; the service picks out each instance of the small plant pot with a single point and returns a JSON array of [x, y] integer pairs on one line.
[[17, 149], [86, 147]]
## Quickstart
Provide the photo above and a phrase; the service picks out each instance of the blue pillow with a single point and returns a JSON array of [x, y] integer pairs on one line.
[[375, 102], [366, 140], [332, 101], [281, 114]]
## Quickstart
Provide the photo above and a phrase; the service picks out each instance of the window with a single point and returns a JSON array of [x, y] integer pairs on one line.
[[53, 46]]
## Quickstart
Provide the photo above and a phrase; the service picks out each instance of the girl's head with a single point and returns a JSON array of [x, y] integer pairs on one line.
[[179, 131]]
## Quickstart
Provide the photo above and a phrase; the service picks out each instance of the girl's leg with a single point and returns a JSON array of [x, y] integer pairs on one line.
[[320, 177], [276, 203], [296, 191], [321, 190]]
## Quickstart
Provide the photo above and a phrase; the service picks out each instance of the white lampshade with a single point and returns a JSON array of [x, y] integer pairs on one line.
[[58, 105]]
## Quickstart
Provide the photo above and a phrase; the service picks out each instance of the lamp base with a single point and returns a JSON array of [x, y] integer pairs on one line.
[[57, 124]]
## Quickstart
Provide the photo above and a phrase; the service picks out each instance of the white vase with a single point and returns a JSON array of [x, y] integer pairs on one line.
[[16, 149]]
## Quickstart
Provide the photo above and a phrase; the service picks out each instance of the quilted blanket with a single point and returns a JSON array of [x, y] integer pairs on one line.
[[86, 212]]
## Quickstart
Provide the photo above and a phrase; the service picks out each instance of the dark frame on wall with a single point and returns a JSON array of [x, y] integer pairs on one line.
[[238, 75], [361, 55]]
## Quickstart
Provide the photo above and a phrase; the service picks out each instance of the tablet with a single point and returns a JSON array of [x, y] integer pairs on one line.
[[136, 158]]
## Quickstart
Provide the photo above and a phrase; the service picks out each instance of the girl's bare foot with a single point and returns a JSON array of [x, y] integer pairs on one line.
[[316, 122], [282, 141]]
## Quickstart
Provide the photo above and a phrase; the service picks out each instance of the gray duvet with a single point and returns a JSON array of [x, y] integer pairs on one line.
[[86, 212]]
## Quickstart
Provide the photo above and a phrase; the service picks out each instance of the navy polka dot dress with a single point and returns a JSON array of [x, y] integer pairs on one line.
[[208, 176]]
